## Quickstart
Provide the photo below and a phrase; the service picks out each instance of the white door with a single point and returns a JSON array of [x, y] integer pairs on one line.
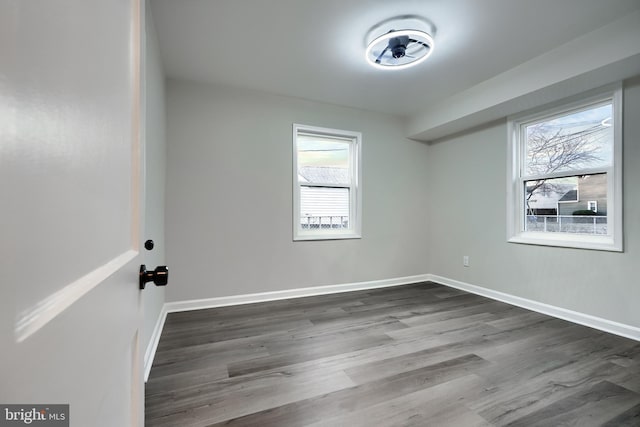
[[154, 185], [71, 200]]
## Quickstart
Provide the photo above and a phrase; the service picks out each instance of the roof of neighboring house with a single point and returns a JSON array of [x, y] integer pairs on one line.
[[548, 195], [323, 174], [552, 188], [570, 196]]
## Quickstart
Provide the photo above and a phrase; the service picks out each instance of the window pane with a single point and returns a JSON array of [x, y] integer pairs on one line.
[[578, 140], [323, 160], [566, 205], [324, 207]]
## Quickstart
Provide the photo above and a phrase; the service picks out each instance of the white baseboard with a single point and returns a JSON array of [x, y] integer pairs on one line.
[[150, 353], [198, 304], [605, 325], [616, 328]]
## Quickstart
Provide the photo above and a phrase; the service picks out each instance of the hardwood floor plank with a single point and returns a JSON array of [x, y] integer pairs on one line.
[[627, 358], [390, 366], [159, 384], [209, 353], [517, 398], [360, 396], [205, 334], [628, 378], [452, 330], [313, 351], [495, 308], [629, 418], [588, 407], [237, 397], [343, 361], [440, 405], [536, 341]]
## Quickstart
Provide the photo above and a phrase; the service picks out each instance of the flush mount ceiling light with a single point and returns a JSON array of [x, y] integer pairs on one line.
[[393, 46]]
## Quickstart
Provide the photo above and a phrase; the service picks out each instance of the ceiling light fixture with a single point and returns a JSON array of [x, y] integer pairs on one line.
[[399, 49]]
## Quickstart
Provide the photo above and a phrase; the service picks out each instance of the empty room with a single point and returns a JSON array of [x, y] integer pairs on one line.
[[320, 213]]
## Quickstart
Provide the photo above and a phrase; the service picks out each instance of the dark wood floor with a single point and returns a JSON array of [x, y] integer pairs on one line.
[[416, 355]]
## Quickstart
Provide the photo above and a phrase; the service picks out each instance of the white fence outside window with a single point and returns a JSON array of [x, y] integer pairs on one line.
[[567, 224], [324, 222]]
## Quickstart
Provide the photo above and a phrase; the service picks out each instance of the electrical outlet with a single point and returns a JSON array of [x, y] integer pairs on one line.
[[465, 260]]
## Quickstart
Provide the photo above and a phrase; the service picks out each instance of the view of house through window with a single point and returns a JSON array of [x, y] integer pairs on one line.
[[566, 177], [326, 190], [323, 175], [567, 205], [568, 144]]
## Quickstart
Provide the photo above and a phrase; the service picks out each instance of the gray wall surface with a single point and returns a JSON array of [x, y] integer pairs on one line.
[[229, 208], [229, 196], [155, 174], [467, 216]]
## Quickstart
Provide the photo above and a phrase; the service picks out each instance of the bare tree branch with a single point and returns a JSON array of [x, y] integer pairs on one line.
[[551, 151]]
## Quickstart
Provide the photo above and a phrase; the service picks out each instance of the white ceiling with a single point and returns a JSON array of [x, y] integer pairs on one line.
[[314, 49]]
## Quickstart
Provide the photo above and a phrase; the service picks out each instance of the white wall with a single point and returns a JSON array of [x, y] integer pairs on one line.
[[155, 174], [229, 196], [468, 217]]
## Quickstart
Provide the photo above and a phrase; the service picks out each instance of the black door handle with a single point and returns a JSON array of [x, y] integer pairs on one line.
[[159, 276]]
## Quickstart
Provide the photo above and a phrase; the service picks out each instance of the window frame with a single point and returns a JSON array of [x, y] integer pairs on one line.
[[516, 178], [355, 186]]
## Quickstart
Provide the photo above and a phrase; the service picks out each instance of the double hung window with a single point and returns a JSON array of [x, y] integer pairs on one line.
[[326, 183], [565, 170]]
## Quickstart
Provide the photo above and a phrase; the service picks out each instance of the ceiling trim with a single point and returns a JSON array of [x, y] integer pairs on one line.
[[610, 53]]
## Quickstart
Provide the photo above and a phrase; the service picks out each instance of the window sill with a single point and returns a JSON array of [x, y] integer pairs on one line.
[[319, 236], [565, 240]]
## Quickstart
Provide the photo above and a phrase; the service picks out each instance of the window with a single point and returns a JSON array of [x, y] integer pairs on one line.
[[326, 183], [565, 169]]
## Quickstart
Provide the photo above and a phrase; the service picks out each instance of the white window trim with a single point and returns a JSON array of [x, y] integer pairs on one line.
[[355, 189], [515, 197]]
